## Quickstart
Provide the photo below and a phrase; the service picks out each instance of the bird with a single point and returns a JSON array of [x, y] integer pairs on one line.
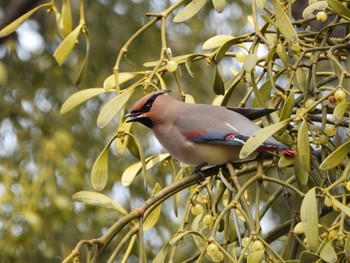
[[201, 134]]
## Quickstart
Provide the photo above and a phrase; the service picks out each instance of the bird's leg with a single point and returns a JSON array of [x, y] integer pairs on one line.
[[198, 170]]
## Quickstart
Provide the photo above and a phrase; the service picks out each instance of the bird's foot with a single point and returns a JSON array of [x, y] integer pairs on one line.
[[198, 170]]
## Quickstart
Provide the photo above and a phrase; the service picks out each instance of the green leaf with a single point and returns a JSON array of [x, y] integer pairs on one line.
[[113, 106], [309, 218], [218, 83], [288, 106], [307, 257], [328, 253], [79, 97], [12, 27], [300, 173], [66, 17], [250, 62], [109, 82], [261, 4], [99, 173], [98, 199], [285, 161], [301, 79], [189, 99], [341, 206], [284, 23], [67, 45], [347, 246], [180, 235], [161, 256], [260, 136], [281, 52], [189, 60], [336, 157], [339, 8], [258, 97], [265, 89], [130, 172], [216, 42], [312, 7], [271, 54], [255, 256], [83, 66], [220, 53], [190, 10], [153, 217], [340, 110], [304, 146], [121, 143], [219, 5]]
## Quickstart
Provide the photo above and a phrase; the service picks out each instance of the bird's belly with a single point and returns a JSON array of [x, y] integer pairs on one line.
[[211, 154]]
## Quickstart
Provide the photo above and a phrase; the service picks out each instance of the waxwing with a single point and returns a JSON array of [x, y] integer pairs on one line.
[[199, 134]]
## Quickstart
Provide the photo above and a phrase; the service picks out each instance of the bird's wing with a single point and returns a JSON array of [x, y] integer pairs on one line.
[[217, 137], [236, 139], [254, 113]]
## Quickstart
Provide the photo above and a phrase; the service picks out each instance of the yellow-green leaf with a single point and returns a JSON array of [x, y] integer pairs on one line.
[[347, 246], [162, 254], [218, 83], [121, 143], [83, 66], [99, 173], [339, 8], [260, 136], [219, 5], [307, 257], [304, 146], [66, 17], [12, 27], [285, 161], [250, 62], [261, 3], [180, 235], [216, 42], [153, 217], [301, 79], [309, 218], [113, 106], [328, 253], [98, 199], [300, 173], [109, 82], [336, 157], [189, 11], [79, 97], [255, 256], [265, 89], [281, 52], [189, 99], [312, 7], [340, 110], [130, 172], [341, 206], [288, 106], [284, 23], [67, 45], [220, 53]]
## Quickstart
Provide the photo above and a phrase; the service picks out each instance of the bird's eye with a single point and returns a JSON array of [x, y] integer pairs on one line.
[[147, 107]]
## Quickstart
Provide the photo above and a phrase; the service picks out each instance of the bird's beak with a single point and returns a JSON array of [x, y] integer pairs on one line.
[[134, 116]]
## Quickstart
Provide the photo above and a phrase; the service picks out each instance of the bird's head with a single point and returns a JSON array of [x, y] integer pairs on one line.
[[145, 109]]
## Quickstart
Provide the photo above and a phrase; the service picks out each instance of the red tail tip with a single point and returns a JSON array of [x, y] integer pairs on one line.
[[289, 152]]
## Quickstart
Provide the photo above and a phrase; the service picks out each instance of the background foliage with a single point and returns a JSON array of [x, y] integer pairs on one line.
[[298, 65]]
